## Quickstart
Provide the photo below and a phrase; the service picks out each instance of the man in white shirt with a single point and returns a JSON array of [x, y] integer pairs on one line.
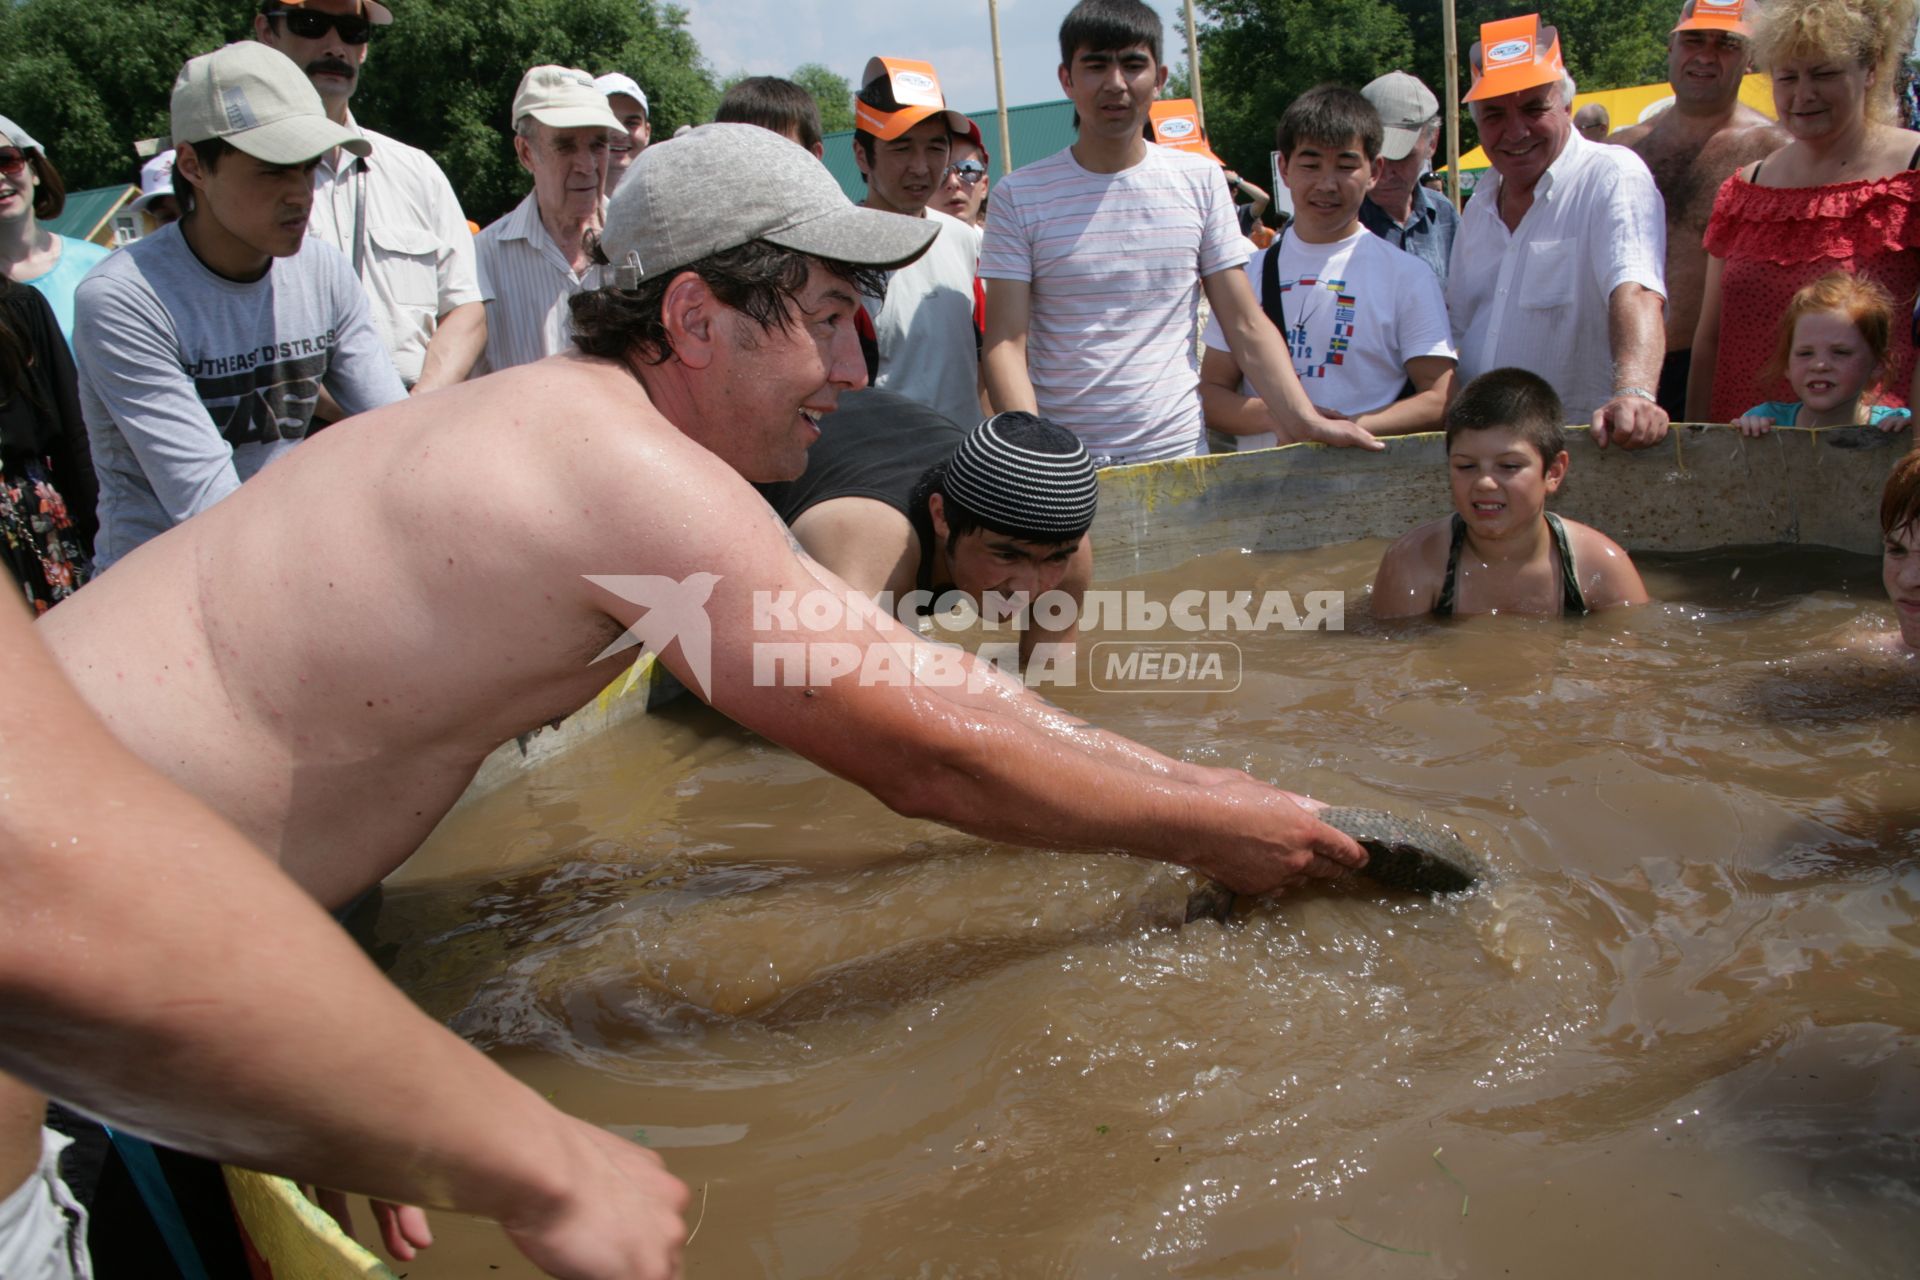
[[1558, 267], [923, 321], [628, 102], [392, 211], [535, 258], [1363, 321], [1095, 259]]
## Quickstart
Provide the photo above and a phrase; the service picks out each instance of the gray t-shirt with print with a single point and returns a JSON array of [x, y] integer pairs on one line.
[[191, 382]]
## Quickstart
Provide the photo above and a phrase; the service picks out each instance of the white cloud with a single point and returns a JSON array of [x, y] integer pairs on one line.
[[772, 37]]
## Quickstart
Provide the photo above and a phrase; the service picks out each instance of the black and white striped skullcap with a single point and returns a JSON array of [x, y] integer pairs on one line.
[[1026, 477]]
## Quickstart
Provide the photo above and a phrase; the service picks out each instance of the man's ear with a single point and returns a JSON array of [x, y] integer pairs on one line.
[[689, 313], [1160, 80], [937, 512], [523, 151], [1066, 80], [187, 162]]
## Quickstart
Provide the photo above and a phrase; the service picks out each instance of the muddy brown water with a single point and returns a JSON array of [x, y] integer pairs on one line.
[[1677, 1037]]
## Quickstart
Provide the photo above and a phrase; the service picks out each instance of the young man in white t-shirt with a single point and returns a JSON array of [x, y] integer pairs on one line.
[[1364, 321], [1095, 258]]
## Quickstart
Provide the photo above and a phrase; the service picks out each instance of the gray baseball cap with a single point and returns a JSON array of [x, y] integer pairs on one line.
[[257, 100], [723, 185], [1406, 107]]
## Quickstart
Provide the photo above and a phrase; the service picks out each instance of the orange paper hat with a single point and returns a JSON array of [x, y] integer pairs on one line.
[[915, 87], [1716, 15], [1176, 124], [1512, 55]]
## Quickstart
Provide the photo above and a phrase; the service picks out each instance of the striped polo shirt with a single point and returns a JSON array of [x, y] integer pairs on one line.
[[527, 284], [1115, 262]]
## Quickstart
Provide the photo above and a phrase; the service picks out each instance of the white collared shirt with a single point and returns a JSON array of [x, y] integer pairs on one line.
[[528, 283], [409, 244], [1537, 297]]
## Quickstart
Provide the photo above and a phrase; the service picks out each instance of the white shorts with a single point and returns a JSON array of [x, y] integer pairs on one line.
[[43, 1230]]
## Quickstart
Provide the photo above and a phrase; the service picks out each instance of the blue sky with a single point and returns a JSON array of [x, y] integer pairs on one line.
[[772, 37]]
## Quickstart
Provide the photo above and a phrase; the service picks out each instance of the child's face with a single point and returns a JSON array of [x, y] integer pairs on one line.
[[1328, 182], [1500, 481], [1900, 572], [1113, 89], [1829, 364]]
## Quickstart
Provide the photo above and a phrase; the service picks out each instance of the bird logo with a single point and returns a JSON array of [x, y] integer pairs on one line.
[[676, 609]]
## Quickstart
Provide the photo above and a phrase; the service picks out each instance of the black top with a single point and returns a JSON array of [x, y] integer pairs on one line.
[[1572, 599], [875, 445], [41, 420]]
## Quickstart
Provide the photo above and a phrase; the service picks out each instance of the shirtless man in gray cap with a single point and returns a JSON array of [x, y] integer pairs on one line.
[[433, 601]]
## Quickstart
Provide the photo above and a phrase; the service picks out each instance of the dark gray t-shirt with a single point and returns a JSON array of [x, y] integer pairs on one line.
[[190, 382]]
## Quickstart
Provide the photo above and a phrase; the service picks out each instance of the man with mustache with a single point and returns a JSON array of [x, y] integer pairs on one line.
[[535, 258], [1557, 268], [203, 348], [391, 210]]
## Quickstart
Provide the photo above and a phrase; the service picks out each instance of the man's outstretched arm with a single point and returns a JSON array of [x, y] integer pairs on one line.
[[934, 734], [159, 972]]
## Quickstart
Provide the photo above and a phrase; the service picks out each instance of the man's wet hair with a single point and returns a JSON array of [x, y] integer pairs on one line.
[[1109, 26], [211, 152], [779, 106], [1023, 431], [1900, 500], [760, 280], [1329, 116], [1511, 400]]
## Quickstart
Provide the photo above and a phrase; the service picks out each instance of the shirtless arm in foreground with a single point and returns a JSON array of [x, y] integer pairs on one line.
[[132, 986]]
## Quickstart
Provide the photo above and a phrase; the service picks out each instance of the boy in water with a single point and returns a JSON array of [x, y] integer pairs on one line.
[[1900, 554], [1502, 550]]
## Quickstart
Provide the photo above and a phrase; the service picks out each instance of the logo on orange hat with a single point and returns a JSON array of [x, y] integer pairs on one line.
[[1176, 124], [915, 87], [1716, 15], [1512, 55]]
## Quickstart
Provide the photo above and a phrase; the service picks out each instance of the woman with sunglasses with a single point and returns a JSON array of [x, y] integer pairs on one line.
[[962, 192], [31, 192]]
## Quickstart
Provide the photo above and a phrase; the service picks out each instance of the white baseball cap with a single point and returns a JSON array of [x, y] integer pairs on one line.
[[619, 82], [156, 180], [257, 100], [562, 98], [19, 137]]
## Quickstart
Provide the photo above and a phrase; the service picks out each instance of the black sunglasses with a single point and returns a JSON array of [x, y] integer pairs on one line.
[[309, 24]]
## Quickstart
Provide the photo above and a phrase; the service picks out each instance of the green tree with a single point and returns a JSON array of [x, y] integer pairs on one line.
[[831, 91], [88, 77]]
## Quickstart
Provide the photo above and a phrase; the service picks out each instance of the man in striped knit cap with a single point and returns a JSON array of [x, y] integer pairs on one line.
[[1095, 259], [909, 507]]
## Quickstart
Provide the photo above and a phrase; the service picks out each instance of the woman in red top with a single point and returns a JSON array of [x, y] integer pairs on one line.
[[1842, 196]]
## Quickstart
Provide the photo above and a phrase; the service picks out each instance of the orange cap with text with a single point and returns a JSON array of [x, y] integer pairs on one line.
[[1176, 124], [916, 87], [1512, 55], [1716, 15]]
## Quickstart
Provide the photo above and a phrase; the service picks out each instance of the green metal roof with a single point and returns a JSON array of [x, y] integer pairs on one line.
[[87, 212], [1037, 130]]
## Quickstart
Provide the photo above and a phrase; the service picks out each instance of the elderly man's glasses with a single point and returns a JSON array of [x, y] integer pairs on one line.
[[310, 24], [13, 163], [968, 171]]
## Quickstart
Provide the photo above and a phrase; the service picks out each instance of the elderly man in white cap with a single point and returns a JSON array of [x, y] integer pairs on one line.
[[391, 211], [1399, 209], [1558, 265], [628, 102], [534, 259], [203, 348]]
